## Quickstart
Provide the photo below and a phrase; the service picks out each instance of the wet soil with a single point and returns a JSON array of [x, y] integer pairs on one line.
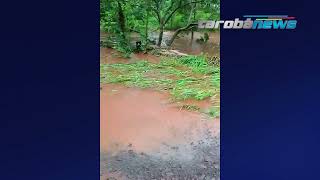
[[145, 136], [111, 56]]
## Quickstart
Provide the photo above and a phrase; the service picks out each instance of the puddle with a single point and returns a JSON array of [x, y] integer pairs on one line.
[[144, 119]]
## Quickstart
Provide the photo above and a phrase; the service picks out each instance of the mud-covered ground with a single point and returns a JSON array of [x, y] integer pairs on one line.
[[190, 161]]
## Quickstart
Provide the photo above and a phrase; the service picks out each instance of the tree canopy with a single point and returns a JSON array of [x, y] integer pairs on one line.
[[120, 17]]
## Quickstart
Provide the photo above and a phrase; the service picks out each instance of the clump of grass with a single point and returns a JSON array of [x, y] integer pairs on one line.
[[198, 64], [181, 93], [214, 112], [190, 107]]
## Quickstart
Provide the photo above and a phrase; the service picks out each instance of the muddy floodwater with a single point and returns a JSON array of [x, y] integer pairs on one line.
[[145, 119], [144, 135], [185, 44]]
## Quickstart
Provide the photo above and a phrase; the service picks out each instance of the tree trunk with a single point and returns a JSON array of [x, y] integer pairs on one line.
[[160, 35], [147, 29], [176, 33], [122, 21], [191, 41], [194, 11], [171, 21]]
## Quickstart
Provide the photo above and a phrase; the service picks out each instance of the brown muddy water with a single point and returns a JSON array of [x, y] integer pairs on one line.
[[143, 135], [145, 119], [185, 45]]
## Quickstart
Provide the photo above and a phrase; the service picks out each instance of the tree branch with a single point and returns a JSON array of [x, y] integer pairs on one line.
[[171, 6], [156, 10], [189, 26], [177, 8], [157, 13]]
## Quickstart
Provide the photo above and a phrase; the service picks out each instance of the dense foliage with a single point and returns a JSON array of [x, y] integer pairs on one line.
[[120, 17]]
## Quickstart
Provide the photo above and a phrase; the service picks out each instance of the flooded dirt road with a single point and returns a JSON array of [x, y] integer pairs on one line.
[[146, 118], [143, 134]]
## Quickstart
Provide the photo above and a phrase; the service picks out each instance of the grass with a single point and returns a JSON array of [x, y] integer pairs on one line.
[[214, 111], [190, 107], [184, 78]]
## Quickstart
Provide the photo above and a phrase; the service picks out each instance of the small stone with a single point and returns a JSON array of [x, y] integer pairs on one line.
[[175, 147], [203, 166], [169, 174]]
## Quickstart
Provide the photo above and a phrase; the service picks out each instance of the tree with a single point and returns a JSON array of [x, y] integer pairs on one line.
[[122, 17], [164, 10], [189, 26]]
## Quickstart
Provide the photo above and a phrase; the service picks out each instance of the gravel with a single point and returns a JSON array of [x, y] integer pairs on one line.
[[191, 160]]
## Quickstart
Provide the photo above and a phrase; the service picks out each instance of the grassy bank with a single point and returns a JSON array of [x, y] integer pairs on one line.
[[184, 78]]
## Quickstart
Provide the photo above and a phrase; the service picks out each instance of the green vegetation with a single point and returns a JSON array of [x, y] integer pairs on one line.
[[184, 78], [119, 18], [214, 111]]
